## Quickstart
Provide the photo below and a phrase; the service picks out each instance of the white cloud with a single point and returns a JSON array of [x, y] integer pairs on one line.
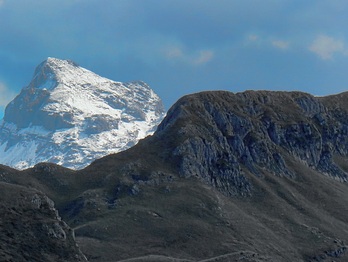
[[174, 52], [2, 2], [325, 47], [266, 41], [203, 57], [280, 44], [6, 95], [253, 37], [200, 57]]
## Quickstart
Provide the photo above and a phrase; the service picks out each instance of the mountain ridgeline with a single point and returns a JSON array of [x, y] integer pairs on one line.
[[252, 176], [223, 136]]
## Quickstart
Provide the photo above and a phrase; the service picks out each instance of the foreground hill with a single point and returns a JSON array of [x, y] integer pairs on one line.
[[31, 229], [253, 176]]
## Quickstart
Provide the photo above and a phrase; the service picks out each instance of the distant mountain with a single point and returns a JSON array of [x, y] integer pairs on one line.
[[70, 116], [253, 176]]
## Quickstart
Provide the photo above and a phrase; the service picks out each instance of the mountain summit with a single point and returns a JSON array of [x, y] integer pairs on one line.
[[70, 116]]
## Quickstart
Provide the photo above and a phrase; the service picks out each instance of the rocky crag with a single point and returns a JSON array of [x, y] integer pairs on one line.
[[32, 230], [225, 135]]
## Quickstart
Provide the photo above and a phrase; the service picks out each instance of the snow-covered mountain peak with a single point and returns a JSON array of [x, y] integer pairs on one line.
[[53, 71], [70, 115]]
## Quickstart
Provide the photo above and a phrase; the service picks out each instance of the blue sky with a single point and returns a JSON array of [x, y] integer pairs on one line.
[[181, 46]]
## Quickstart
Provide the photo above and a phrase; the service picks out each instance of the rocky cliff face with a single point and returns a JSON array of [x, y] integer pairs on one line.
[[222, 136], [32, 230], [71, 116]]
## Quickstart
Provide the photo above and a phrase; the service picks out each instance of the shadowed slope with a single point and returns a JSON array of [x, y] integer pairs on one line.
[[31, 229]]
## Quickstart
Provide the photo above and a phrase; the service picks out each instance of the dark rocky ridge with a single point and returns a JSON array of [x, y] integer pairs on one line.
[[31, 229], [224, 135], [254, 176]]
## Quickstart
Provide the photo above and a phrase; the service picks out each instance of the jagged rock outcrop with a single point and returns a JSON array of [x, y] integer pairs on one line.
[[32, 230], [70, 116], [221, 136]]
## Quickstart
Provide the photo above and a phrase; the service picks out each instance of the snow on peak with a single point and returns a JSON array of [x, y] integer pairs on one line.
[[71, 116], [53, 71]]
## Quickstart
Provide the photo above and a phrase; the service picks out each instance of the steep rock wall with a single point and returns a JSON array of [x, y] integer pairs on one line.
[[224, 135]]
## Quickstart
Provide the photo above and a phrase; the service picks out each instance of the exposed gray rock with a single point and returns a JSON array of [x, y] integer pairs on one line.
[[31, 229], [226, 135], [329, 255]]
